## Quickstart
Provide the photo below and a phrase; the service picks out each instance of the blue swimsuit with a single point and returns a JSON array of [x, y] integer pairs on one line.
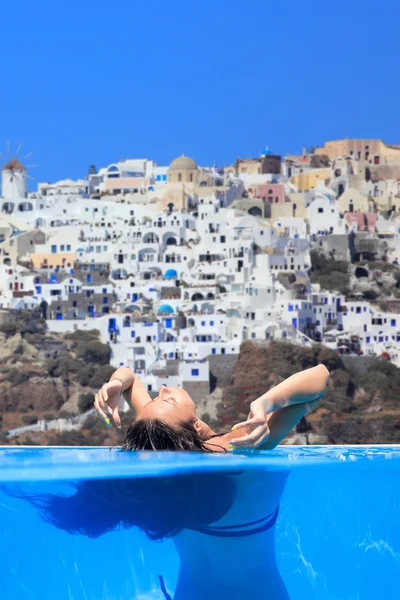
[[231, 531]]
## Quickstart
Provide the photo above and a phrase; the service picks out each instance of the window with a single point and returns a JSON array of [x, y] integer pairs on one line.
[[62, 247], [222, 239], [320, 210], [222, 350], [104, 291], [393, 322], [54, 249], [213, 351], [195, 372], [203, 323], [211, 323], [179, 176], [133, 334], [105, 300]]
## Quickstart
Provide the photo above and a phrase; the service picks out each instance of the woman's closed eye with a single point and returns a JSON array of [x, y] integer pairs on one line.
[[170, 399]]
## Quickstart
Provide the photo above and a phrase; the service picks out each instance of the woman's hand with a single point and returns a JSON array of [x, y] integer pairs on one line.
[[256, 427], [107, 400]]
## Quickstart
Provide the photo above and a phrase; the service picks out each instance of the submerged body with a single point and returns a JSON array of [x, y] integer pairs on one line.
[[215, 564]]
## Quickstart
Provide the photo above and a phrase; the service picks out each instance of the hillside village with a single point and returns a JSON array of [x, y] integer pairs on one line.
[[177, 265]]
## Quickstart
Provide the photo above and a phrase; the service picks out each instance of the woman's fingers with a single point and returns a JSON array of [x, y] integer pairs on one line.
[[103, 393], [116, 417], [255, 420], [104, 397], [100, 406], [253, 439]]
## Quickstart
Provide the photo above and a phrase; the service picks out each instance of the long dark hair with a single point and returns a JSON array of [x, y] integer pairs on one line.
[[161, 506], [154, 434]]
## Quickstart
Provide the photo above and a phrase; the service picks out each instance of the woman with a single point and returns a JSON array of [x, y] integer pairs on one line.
[[170, 422], [222, 523], [212, 554]]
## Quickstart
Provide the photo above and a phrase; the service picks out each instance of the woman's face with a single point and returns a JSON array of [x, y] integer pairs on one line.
[[172, 405]]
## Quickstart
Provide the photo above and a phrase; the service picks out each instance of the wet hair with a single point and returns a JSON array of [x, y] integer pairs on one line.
[[155, 434], [161, 506]]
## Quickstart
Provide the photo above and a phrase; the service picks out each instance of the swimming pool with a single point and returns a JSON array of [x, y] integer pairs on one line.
[[337, 535]]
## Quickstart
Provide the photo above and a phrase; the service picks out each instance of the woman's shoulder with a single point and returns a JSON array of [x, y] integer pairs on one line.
[[222, 440]]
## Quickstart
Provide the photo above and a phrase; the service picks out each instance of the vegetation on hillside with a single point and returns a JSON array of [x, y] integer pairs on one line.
[[331, 274], [41, 372], [355, 395]]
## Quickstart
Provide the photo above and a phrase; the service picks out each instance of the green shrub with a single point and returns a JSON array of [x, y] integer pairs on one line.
[[29, 419], [64, 414], [332, 275], [53, 367], [35, 338], [49, 416], [82, 335], [17, 377], [28, 441], [84, 374], [101, 376], [322, 265], [85, 402], [26, 322], [10, 328], [370, 295], [94, 352], [62, 366], [68, 438]]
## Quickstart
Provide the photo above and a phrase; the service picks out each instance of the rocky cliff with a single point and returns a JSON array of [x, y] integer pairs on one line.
[[361, 406]]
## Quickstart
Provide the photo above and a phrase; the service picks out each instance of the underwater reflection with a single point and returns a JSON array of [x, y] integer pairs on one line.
[[222, 525]]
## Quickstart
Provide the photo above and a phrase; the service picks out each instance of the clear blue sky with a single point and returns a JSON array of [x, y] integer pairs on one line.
[[95, 81]]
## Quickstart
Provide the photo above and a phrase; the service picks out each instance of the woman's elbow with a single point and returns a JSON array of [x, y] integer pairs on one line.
[[325, 376], [324, 370]]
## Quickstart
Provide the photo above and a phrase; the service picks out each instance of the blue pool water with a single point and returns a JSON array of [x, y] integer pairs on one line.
[[73, 524]]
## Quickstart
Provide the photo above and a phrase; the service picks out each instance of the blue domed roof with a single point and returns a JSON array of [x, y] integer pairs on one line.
[[165, 309], [171, 274]]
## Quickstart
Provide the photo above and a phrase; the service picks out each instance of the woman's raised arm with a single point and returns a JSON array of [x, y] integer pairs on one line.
[[107, 398], [276, 412]]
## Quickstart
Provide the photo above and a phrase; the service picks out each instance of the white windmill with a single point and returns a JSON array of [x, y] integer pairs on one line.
[[14, 176]]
